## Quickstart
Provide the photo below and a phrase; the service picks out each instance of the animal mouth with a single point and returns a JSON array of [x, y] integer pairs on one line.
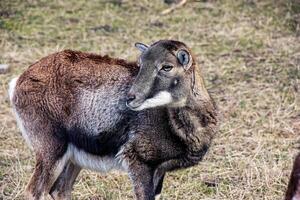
[[134, 105], [162, 98]]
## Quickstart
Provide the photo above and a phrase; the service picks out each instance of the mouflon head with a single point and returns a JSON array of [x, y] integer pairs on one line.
[[164, 76]]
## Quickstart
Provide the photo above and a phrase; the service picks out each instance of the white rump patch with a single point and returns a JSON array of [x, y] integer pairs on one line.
[[11, 89], [160, 99]]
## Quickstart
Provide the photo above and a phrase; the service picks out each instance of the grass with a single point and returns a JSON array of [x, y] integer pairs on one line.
[[249, 51]]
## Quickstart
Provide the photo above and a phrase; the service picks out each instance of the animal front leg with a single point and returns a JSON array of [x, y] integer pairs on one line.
[[158, 179], [169, 165], [142, 179]]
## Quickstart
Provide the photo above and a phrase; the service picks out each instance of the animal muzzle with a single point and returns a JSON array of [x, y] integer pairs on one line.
[[134, 101]]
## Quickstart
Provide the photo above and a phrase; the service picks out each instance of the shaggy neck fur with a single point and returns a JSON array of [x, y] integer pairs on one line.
[[196, 123]]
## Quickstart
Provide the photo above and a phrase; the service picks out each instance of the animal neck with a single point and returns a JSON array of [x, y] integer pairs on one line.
[[196, 122]]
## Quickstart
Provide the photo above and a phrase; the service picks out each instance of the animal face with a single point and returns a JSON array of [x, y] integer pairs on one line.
[[162, 79]]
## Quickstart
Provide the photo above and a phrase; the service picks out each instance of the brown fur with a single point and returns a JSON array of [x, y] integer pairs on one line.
[[61, 73], [52, 99], [45, 94]]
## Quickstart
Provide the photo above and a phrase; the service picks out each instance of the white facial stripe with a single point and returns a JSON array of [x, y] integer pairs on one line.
[[160, 99]]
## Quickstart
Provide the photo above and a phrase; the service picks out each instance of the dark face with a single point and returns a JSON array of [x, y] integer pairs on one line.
[[162, 79]]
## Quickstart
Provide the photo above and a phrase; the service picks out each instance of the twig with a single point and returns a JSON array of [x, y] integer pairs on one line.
[[169, 10]]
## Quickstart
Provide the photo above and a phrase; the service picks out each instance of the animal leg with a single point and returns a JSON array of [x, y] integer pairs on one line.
[[158, 189], [293, 190], [142, 179], [62, 188], [169, 165], [45, 173]]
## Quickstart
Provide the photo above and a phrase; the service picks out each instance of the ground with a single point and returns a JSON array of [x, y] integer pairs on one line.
[[248, 50]]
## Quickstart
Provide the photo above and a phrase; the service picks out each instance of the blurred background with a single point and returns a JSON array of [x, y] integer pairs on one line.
[[248, 50]]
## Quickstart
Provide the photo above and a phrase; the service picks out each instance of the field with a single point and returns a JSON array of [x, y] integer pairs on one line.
[[249, 52]]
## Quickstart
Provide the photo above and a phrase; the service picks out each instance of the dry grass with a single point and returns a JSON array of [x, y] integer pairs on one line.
[[249, 52]]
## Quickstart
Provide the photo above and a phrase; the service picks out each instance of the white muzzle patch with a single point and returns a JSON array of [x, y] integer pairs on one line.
[[160, 99]]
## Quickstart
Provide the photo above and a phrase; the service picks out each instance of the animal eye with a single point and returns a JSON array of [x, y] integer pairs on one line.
[[167, 68]]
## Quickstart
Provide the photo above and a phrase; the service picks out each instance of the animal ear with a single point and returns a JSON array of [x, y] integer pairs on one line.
[[142, 47], [184, 58]]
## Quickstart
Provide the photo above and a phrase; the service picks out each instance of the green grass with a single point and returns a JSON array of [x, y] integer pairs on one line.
[[249, 52]]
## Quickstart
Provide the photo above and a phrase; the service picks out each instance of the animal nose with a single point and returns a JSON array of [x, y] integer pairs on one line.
[[130, 97]]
